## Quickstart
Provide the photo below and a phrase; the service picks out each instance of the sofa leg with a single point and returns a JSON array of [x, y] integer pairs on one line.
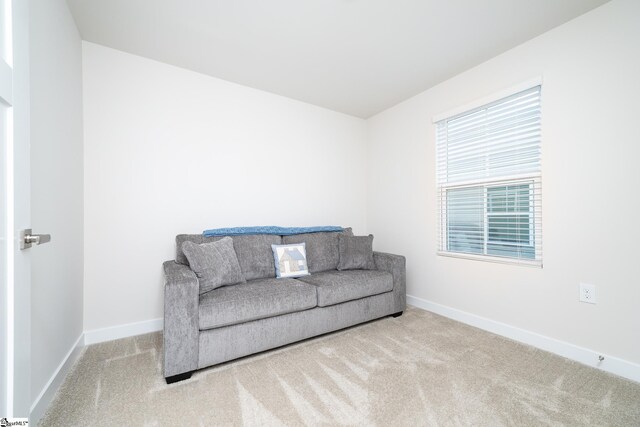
[[179, 377], [398, 314]]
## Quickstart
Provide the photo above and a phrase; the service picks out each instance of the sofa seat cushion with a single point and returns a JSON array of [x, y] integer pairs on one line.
[[254, 300], [335, 286]]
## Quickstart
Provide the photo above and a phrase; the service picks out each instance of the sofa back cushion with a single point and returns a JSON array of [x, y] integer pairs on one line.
[[322, 249], [254, 252], [255, 255], [181, 258]]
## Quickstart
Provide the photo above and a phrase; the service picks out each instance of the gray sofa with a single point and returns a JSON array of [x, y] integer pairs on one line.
[[266, 312]]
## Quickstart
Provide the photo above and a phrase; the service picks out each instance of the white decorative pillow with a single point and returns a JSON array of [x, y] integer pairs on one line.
[[290, 260]]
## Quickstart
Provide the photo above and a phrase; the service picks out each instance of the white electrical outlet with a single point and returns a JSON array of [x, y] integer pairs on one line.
[[587, 293]]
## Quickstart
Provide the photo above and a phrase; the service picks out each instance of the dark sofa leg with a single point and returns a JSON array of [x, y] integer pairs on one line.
[[398, 314], [179, 377]]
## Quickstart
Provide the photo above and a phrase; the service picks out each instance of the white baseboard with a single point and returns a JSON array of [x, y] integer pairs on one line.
[[583, 355], [46, 395], [122, 331]]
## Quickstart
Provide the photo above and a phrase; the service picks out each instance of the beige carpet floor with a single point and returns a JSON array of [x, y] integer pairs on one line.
[[418, 369]]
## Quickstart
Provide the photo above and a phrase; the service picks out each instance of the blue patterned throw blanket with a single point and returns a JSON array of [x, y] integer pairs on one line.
[[268, 229]]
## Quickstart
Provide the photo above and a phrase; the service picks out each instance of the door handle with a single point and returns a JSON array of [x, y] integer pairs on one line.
[[27, 239]]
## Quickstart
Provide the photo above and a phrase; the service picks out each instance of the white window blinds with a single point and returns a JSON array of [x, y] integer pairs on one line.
[[489, 180]]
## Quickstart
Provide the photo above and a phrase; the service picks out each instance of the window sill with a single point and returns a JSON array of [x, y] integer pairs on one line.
[[494, 259]]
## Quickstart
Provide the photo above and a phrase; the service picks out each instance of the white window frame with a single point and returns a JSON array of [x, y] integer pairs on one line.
[[534, 179]]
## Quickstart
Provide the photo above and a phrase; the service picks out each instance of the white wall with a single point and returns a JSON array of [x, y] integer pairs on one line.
[[171, 151], [56, 187], [591, 147]]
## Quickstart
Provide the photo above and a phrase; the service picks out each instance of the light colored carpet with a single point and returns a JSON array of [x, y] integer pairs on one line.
[[418, 369]]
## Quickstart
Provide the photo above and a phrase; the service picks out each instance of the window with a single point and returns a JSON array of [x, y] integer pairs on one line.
[[489, 183]]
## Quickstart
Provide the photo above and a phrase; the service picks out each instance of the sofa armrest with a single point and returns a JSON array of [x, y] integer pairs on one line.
[[396, 265], [181, 332]]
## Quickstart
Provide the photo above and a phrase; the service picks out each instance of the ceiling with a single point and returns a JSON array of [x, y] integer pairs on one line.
[[358, 57]]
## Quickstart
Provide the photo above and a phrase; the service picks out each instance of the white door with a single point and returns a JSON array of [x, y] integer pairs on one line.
[[15, 277]]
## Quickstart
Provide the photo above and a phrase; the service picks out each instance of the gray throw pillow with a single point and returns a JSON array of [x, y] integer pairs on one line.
[[215, 264], [356, 252]]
